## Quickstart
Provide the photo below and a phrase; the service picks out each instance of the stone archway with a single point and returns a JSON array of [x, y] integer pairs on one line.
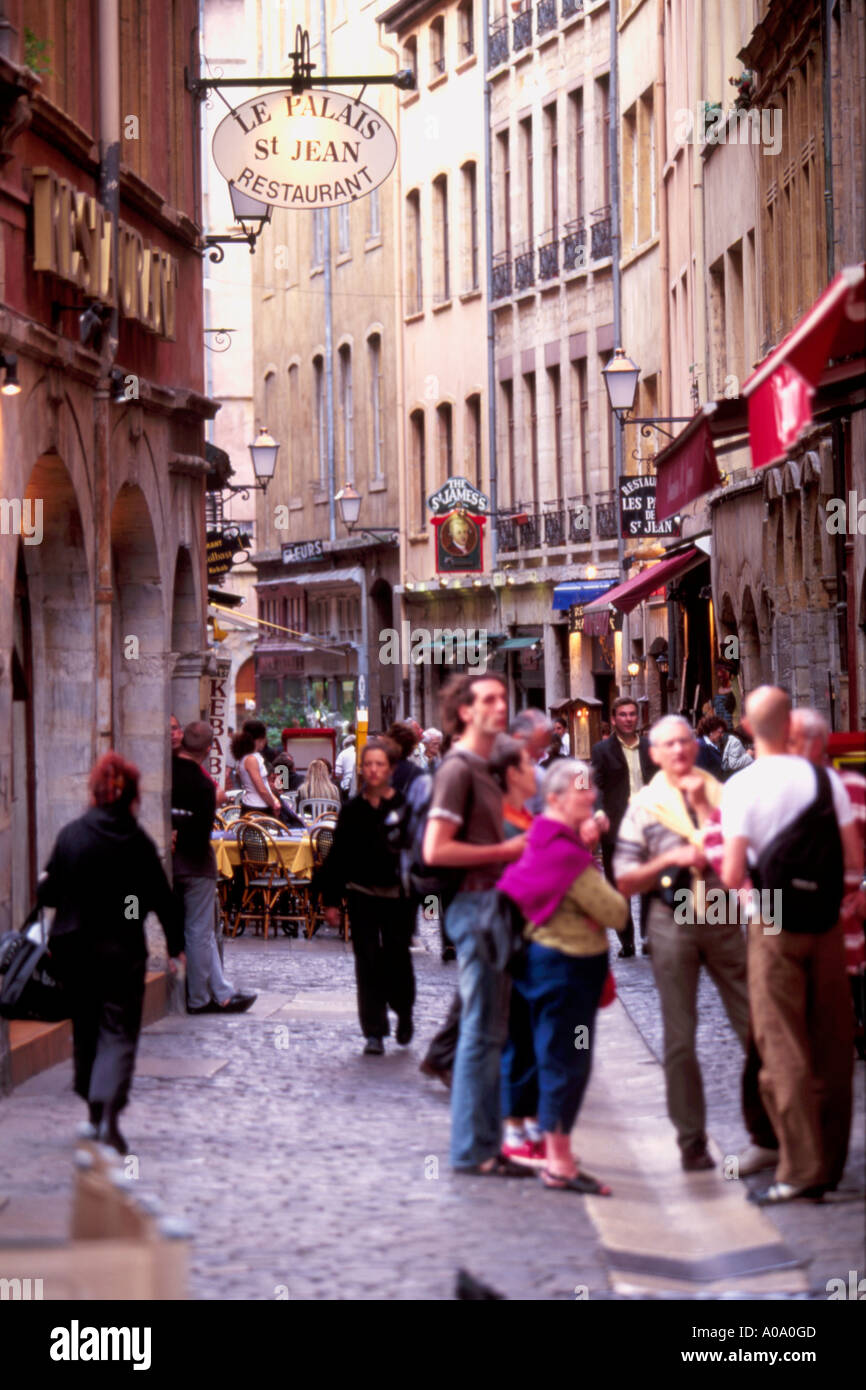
[[751, 657], [140, 689], [62, 639]]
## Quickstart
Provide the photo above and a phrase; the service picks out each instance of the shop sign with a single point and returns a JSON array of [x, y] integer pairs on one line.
[[225, 549], [458, 493], [638, 508], [299, 551], [459, 543], [315, 150], [73, 238], [599, 621], [217, 717]]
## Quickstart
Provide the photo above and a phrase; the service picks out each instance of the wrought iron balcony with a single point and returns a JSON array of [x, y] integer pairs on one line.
[[554, 523], [467, 47], [574, 245], [571, 7], [524, 267], [579, 520], [606, 516], [529, 532], [438, 66], [501, 275], [506, 528], [600, 233], [522, 29], [545, 16], [499, 43], [548, 255]]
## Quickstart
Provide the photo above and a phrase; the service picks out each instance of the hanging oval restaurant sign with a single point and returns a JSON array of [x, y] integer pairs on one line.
[[316, 150]]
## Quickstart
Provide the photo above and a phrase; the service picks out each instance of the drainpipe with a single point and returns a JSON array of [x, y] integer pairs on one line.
[[491, 327], [329, 318], [615, 239], [699, 298], [661, 124], [400, 608], [827, 94], [109, 194]]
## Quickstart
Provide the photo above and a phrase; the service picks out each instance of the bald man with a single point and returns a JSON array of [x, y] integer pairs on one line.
[[799, 1000]]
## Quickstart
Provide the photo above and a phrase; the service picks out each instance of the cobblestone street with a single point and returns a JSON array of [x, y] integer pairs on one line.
[[307, 1170]]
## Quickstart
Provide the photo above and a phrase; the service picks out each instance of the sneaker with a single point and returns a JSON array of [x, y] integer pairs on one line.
[[754, 1158], [523, 1152], [784, 1192], [374, 1047], [695, 1158]]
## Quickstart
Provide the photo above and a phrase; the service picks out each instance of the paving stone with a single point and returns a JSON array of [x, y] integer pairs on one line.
[[168, 1068]]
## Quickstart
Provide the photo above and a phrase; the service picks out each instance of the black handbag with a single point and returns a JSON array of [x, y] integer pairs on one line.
[[27, 987]]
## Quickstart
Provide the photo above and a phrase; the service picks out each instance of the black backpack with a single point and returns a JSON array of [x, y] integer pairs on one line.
[[425, 880], [805, 863]]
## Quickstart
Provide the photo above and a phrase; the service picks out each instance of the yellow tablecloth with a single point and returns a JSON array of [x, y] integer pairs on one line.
[[296, 856]]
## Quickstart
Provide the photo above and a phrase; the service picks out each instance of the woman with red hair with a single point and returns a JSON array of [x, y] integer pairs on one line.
[[103, 877]]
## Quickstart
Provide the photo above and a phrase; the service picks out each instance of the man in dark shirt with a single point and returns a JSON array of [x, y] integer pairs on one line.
[[194, 872], [621, 765]]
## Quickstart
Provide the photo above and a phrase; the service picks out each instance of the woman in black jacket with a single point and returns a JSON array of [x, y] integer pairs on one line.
[[104, 876], [364, 867]]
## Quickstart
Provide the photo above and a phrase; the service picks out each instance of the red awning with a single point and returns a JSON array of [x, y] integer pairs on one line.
[[687, 468], [781, 392], [627, 596]]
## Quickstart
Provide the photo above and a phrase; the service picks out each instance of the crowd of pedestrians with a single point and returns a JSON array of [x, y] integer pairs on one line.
[[736, 851]]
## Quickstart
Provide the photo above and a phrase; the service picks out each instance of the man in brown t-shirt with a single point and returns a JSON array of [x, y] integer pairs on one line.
[[465, 831]]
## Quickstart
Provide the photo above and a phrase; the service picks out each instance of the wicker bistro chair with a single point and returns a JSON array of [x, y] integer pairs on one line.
[[229, 814], [265, 882], [322, 837], [312, 808]]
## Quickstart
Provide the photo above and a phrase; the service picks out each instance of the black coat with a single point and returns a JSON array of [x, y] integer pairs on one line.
[[611, 778], [710, 759], [366, 848], [99, 864]]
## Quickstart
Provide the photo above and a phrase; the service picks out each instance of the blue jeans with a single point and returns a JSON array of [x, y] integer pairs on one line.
[[562, 993], [475, 1086], [519, 1067]]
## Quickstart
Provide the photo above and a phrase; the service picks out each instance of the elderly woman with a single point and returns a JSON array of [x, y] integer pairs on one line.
[[364, 868], [567, 904], [104, 876]]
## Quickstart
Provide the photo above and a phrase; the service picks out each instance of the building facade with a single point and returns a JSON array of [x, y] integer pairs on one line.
[[327, 369], [102, 467]]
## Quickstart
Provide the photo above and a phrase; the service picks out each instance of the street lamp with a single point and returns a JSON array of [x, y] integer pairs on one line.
[[250, 215], [263, 452], [633, 669], [621, 378], [349, 502]]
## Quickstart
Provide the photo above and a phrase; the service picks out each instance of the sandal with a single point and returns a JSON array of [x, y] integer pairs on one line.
[[584, 1183], [502, 1168]]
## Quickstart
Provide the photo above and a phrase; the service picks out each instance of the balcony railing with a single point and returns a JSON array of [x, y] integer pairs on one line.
[[521, 27], [574, 245], [499, 43], [501, 275], [548, 255], [467, 47], [571, 7], [561, 524], [545, 16], [600, 233], [579, 520], [554, 523], [524, 267], [606, 516], [438, 66]]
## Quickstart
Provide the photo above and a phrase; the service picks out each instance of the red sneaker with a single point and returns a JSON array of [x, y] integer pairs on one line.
[[530, 1151]]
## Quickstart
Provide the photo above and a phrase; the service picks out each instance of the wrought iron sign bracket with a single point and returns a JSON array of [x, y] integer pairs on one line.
[[301, 78]]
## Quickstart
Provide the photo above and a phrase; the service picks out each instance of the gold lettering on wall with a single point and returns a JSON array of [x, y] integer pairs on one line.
[[72, 239]]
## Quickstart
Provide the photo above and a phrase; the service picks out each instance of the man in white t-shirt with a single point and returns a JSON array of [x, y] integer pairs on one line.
[[798, 991]]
